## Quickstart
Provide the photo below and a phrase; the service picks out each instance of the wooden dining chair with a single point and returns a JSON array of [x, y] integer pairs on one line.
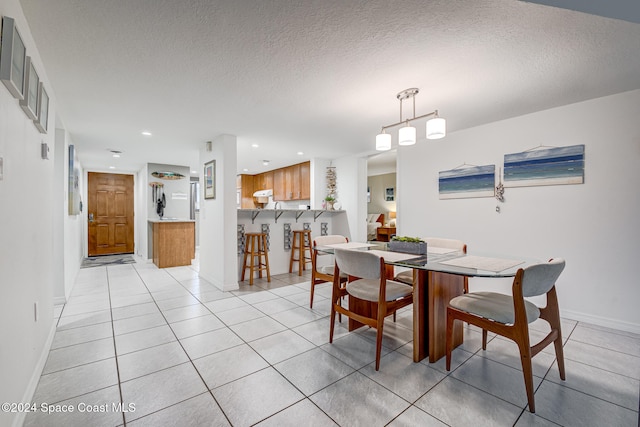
[[371, 285], [321, 274], [436, 242], [510, 315]]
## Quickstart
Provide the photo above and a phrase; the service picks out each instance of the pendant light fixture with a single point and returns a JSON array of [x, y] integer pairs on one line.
[[436, 126]]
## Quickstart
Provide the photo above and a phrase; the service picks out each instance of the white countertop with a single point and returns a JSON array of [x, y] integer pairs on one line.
[[170, 220]]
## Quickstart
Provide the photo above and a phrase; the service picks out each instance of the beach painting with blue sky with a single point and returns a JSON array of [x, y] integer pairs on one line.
[[545, 166], [465, 182]]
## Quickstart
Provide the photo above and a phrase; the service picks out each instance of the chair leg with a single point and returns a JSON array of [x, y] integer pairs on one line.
[[484, 339], [379, 327], [334, 300], [313, 285], [449, 339], [527, 371]]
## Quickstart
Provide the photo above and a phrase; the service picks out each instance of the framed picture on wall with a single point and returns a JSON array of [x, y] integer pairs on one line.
[[43, 110], [210, 180], [31, 91], [389, 194], [13, 58]]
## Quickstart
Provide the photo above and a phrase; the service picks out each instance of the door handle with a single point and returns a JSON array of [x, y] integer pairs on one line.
[[90, 217]]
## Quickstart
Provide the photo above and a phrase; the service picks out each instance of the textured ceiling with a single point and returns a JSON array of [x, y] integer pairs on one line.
[[313, 76]]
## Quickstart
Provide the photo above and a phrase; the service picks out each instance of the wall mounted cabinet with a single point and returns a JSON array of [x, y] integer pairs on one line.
[[289, 183], [245, 185]]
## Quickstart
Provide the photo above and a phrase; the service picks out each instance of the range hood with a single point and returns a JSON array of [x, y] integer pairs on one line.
[[263, 193]]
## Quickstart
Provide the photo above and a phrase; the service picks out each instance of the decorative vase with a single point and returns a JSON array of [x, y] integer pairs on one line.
[[329, 205], [418, 248]]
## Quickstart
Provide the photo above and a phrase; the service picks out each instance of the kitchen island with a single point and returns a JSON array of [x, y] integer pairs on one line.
[[173, 241]]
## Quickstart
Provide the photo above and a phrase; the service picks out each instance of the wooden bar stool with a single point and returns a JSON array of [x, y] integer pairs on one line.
[[302, 244], [255, 250]]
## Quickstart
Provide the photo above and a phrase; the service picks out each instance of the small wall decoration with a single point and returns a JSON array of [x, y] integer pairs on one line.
[[13, 58], [545, 166], [74, 183], [389, 194], [167, 175], [31, 91], [42, 121], [210, 180], [467, 181]]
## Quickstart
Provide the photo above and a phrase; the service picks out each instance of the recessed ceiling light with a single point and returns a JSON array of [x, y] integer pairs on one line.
[[116, 155], [255, 145], [245, 170], [112, 167], [300, 153], [146, 133], [265, 162], [194, 171]]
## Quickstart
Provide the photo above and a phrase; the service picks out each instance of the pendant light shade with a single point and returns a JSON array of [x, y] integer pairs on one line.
[[407, 135], [436, 128], [383, 142]]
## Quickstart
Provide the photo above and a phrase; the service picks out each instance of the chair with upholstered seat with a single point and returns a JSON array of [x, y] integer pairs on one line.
[[436, 242], [321, 274], [372, 286], [510, 315]]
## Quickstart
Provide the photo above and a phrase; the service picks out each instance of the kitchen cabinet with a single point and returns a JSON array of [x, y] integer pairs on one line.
[[279, 188], [292, 182], [173, 242], [263, 181], [245, 186], [305, 181]]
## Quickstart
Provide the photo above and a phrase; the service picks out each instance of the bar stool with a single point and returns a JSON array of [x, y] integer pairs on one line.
[[256, 250], [302, 244]]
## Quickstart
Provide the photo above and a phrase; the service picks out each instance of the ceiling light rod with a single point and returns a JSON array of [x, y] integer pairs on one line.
[[406, 94], [436, 127]]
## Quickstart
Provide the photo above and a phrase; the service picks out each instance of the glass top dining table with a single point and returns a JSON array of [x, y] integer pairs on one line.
[[438, 276], [443, 260]]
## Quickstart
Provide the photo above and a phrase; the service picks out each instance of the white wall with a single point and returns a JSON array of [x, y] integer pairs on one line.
[[175, 208], [74, 237], [27, 224], [219, 216], [351, 179], [594, 226], [142, 214]]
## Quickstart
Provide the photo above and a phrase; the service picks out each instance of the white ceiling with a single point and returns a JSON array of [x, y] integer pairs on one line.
[[317, 76]]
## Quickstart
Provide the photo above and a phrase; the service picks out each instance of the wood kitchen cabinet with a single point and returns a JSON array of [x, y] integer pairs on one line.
[[263, 181], [292, 182], [245, 185], [305, 181], [279, 188]]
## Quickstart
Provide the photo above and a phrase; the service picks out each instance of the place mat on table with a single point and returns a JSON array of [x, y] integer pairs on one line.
[[437, 250], [483, 263], [393, 256], [349, 245]]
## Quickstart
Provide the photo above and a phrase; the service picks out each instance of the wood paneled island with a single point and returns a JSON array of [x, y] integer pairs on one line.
[[173, 242]]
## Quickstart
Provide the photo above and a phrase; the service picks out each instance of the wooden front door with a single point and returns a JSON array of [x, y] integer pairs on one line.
[[110, 213]]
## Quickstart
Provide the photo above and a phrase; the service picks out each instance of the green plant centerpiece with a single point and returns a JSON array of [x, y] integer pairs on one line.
[[329, 201], [410, 245]]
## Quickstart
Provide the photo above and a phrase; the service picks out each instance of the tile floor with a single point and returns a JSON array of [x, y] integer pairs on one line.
[[140, 346]]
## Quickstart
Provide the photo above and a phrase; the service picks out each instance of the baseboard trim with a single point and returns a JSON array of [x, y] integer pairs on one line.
[[35, 377], [223, 287], [620, 325]]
